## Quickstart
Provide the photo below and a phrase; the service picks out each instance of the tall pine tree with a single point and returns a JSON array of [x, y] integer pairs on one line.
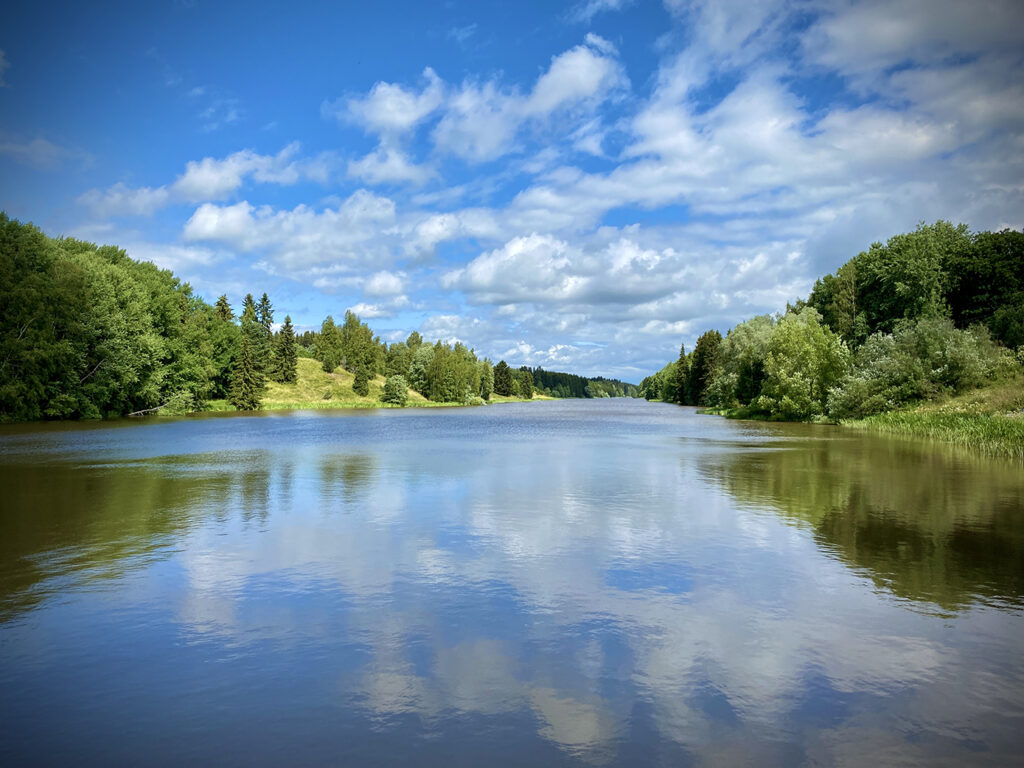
[[286, 359], [682, 372], [248, 380], [265, 346]]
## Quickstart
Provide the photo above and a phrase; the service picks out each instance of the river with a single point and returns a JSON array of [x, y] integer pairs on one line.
[[556, 583]]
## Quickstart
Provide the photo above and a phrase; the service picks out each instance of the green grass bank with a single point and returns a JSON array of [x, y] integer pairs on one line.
[[316, 389], [990, 419]]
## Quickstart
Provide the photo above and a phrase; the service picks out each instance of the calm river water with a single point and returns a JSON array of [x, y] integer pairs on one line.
[[557, 583]]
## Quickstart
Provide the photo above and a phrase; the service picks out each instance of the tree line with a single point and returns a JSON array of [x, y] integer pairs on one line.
[[936, 311], [563, 385], [88, 332]]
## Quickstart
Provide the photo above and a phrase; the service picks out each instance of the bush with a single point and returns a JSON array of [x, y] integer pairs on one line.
[[396, 390], [920, 361]]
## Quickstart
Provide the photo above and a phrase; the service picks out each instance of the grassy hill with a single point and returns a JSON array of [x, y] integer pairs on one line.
[[316, 389]]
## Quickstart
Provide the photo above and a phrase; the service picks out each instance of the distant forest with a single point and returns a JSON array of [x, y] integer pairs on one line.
[[932, 312], [88, 332]]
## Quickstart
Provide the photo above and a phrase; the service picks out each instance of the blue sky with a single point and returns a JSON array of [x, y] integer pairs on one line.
[[581, 186]]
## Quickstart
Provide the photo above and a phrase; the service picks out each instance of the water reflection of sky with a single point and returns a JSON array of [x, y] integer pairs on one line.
[[500, 586]]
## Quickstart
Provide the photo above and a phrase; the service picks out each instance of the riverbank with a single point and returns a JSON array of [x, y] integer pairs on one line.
[[989, 419], [316, 389]]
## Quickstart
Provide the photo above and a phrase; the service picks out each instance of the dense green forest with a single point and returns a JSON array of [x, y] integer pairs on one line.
[[88, 332], [563, 385], [930, 313]]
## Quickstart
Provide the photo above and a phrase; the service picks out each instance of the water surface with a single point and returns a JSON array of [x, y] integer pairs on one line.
[[557, 583]]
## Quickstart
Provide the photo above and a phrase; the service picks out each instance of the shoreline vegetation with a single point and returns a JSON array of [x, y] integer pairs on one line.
[[315, 389], [920, 336], [87, 332]]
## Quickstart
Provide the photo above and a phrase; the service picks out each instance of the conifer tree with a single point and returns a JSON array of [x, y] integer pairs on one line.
[[249, 309], [703, 365], [524, 382], [247, 380], [224, 309], [361, 386], [682, 372], [286, 359], [328, 349], [265, 337], [265, 313], [502, 379]]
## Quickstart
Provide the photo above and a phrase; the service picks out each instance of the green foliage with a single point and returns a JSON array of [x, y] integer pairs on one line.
[[986, 284], [452, 376], [502, 379], [361, 385], [1007, 324], [399, 358], [835, 298], [524, 383], [994, 434], [905, 279], [286, 359], [360, 348], [87, 332], [247, 384], [224, 309], [421, 360], [740, 371], [396, 390], [919, 361], [556, 384], [486, 379], [804, 360], [328, 347], [914, 311], [663, 385], [703, 364], [682, 375]]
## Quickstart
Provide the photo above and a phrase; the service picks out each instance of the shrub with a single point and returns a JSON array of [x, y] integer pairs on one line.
[[395, 390], [919, 361]]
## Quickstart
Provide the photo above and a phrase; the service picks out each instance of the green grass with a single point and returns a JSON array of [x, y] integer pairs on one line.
[[994, 434], [990, 419], [318, 390]]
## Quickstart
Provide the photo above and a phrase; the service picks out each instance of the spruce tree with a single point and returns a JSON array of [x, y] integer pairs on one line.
[[328, 348], [361, 386], [682, 371], [265, 346], [224, 309], [265, 313], [247, 380], [525, 383], [249, 309], [703, 364], [286, 359], [502, 379]]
